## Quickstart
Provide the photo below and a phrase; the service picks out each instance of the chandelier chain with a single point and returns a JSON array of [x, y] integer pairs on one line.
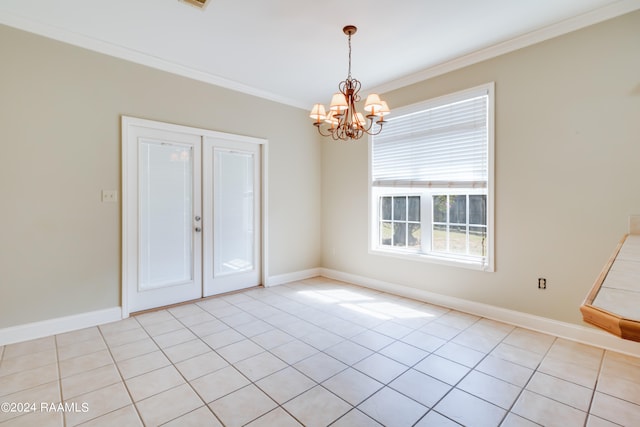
[[349, 75]]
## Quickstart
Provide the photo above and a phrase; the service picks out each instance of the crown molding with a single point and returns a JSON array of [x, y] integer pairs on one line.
[[138, 57], [578, 22]]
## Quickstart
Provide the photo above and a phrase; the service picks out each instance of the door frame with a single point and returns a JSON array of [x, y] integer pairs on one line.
[[126, 123]]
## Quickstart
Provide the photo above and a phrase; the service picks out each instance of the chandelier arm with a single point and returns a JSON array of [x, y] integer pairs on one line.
[[370, 129], [320, 130], [377, 132], [356, 85], [342, 87], [342, 131]]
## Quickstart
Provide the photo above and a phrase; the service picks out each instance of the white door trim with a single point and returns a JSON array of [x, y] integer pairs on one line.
[[128, 122]]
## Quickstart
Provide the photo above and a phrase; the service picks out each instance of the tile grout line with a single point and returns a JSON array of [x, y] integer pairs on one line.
[[432, 408], [452, 387], [288, 364], [115, 364], [524, 387], [57, 380], [595, 387], [411, 367], [323, 351], [278, 405], [377, 352], [162, 350], [534, 371], [251, 382], [62, 399]]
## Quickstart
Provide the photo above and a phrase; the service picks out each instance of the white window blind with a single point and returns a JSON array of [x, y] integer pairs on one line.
[[440, 146]]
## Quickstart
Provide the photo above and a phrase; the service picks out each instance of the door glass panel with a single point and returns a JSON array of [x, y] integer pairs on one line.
[[165, 212], [233, 194]]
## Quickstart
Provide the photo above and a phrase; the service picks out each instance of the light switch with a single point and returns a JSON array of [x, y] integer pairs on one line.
[[109, 196]]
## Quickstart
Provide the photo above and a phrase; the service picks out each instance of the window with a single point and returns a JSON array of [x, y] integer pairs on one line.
[[431, 181], [459, 224], [400, 221]]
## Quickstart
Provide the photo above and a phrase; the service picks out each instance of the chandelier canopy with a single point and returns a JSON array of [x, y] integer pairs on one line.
[[344, 122]]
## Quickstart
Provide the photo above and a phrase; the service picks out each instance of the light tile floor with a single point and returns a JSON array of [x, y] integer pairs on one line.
[[315, 353]]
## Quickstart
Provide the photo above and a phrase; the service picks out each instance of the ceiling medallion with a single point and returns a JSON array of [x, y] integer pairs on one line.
[[344, 122]]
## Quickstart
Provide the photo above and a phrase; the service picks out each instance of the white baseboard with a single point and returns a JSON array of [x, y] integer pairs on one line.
[[584, 334], [30, 331], [61, 325], [579, 333], [292, 277]]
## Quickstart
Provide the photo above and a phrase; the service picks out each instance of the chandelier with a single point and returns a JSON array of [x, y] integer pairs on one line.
[[344, 122]]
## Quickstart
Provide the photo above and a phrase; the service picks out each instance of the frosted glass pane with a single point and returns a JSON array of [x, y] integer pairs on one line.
[[166, 200], [233, 212]]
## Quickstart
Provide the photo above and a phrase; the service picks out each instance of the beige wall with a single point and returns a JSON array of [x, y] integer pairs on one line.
[[567, 173], [60, 109]]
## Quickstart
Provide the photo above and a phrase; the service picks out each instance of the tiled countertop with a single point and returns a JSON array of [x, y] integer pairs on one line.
[[620, 291]]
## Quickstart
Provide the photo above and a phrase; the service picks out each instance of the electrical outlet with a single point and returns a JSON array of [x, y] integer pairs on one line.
[[109, 196], [542, 283]]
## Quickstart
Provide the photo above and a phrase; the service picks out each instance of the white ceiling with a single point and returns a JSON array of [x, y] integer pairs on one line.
[[294, 51]]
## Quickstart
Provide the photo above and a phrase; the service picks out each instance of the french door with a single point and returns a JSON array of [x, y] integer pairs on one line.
[[231, 195], [191, 214]]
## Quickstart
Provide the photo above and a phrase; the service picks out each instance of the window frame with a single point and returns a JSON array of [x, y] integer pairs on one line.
[[425, 254]]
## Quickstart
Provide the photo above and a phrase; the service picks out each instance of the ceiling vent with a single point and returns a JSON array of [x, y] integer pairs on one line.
[[200, 4]]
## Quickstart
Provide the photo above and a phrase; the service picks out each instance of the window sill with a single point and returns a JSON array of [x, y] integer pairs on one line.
[[433, 259]]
